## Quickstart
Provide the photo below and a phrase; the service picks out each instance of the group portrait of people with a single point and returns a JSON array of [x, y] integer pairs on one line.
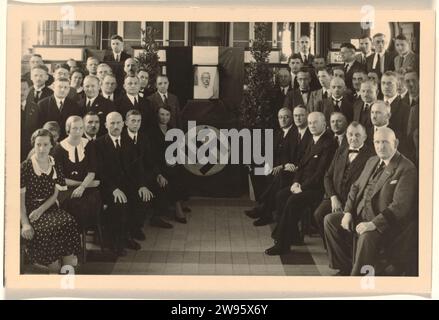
[[346, 153]]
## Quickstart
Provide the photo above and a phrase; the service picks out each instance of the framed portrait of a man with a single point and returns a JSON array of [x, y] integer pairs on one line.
[[206, 82]]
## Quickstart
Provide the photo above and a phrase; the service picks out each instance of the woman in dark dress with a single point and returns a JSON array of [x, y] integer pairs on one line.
[[51, 234], [169, 178], [77, 156]]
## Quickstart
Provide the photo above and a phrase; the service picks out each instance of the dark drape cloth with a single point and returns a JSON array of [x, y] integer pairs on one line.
[[324, 39], [231, 70], [180, 72]]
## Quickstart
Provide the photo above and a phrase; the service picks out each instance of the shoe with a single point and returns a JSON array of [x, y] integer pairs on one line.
[[133, 245], [263, 221], [186, 209], [276, 250], [252, 213], [158, 222], [342, 273], [181, 220], [138, 234]]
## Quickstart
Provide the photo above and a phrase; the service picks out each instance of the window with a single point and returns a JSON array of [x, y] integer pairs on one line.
[[240, 34], [176, 34], [80, 33], [109, 28], [159, 26]]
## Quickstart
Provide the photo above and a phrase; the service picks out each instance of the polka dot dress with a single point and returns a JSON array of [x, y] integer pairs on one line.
[[56, 232]]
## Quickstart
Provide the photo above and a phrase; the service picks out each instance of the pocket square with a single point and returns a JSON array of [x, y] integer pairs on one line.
[[393, 181], [316, 156], [100, 112]]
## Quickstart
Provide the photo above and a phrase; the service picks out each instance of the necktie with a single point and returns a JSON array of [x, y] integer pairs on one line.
[[76, 155], [61, 105], [117, 144], [165, 99], [402, 62], [337, 104], [378, 65], [305, 59], [37, 96], [346, 66], [378, 170], [109, 97], [354, 151], [135, 102], [414, 102], [135, 139], [325, 94], [117, 58], [89, 104]]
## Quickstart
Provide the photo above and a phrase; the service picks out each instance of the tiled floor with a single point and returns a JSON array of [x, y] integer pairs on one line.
[[219, 239]]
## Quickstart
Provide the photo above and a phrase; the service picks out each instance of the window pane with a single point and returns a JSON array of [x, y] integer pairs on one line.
[[176, 31], [176, 43], [240, 31], [240, 44], [131, 30], [158, 25], [109, 28]]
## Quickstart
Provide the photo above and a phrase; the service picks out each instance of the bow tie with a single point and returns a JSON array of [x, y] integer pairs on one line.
[[354, 151], [303, 91]]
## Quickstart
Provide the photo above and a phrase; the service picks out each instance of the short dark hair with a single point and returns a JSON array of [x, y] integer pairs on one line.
[[305, 70], [37, 55], [379, 34], [62, 65], [116, 37], [366, 36], [401, 37], [132, 112], [295, 56], [41, 67], [328, 70], [130, 74], [62, 79], [142, 69], [348, 45], [340, 67], [52, 125], [162, 75], [41, 133], [77, 69], [300, 106], [90, 113]]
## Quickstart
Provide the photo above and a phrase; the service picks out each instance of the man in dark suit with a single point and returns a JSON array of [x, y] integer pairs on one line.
[[351, 65], [361, 108], [144, 155], [92, 124], [317, 96], [399, 110], [123, 186], [412, 143], [145, 89], [295, 64], [357, 79], [58, 107], [162, 97], [338, 125], [37, 92], [380, 208], [304, 45], [131, 100], [109, 89], [381, 60], [95, 102], [405, 58], [117, 54], [102, 70], [339, 100], [92, 66], [365, 46], [307, 187], [281, 89], [63, 71], [300, 95], [344, 170], [37, 60], [289, 146]]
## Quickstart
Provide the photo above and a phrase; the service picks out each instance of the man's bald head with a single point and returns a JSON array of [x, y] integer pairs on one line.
[[114, 123], [283, 77], [338, 87], [380, 113]]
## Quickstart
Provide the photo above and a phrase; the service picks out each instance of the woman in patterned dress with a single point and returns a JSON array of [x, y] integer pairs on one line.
[[77, 157], [51, 234]]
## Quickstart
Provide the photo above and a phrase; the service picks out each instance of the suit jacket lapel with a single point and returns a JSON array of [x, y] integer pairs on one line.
[[387, 173], [369, 171]]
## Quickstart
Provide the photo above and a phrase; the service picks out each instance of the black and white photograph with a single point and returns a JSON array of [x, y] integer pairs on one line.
[[161, 147]]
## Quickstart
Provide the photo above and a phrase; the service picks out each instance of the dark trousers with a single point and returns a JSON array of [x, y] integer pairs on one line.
[[276, 183], [398, 246], [291, 208], [320, 213]]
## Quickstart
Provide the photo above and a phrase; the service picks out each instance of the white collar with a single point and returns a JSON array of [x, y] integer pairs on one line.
[[302, 131], [349, 63], [367, 55], [285, 130], [133, 97], [316, 138], [358, 149], [391, 99], [386, 162], [58, 101], [71, 149], [131, 134], [411, 98], [38, 171], [89, 137], [79, 90], [114, 140], [338, 100], [402, 95], [92, 100], [163, 94], [383, 126], [39, 89], [105, 95]]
